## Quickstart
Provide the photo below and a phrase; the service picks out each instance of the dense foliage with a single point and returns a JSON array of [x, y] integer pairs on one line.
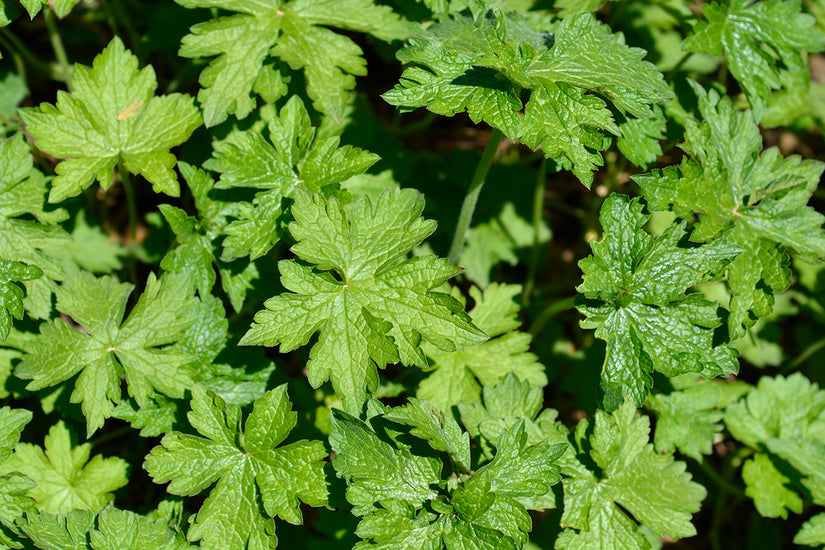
[[412, 274]]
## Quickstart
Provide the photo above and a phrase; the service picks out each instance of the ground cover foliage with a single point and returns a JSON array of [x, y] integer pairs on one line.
[[412, 274]]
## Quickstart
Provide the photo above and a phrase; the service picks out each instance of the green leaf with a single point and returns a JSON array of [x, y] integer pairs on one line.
[[15, 486], [255, 478], [92, 249], [757, 38], [296, 32], [689, 419], [196, 241], [480, 65], [112, 529], [634, 296], [61, 7], [812, 532], [757, 200], [441, 432], [783, 419], [66, 478], [67, 532], [112, 107], [378, 308], [295, 156], [11, 295], [36, 242], [459, 375], [651, 488], [107, 349], [393, 481]]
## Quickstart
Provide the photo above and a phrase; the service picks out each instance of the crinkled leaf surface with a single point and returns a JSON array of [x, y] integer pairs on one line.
[[480, 64], [393, 481], [634, 296], [37, 241], [11, 295], [298, 32], [112, 529], [111, 115], [653, 488], [757, 200], [105, 349], [458, 376], [756, 39], [377, 308], [783, 419], [254, 478], [66, 479], [294, 156]]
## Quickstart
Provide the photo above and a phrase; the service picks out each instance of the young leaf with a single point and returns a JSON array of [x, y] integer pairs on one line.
[[481, 64], [393, 482], [783, 419], [296, 32], [107, 349], [14, 487], [118, 119], [254, 478], [651, 488], [11, 295], [756, 38], [380, 306], [459, 375], [755, 200], [66, 479], [634, 296], [293, 157]]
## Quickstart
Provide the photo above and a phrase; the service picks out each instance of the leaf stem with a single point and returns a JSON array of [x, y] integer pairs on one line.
[[57, 46], [538, 211], [678, 66], [465, 217]]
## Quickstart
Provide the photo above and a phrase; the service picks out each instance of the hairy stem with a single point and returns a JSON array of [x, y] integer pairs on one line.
[[465, 217], [538, 210], [130, 200], [553, 309]]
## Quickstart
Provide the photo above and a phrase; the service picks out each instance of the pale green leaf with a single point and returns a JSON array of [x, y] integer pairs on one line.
[[380, 306], [459, 375], [66, 478], [298, 32], [254, 478], [112, 107], [109, 347]]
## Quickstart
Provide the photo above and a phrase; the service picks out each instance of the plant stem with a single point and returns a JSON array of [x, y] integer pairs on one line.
[[553, 309], [676, 68], [720, 482], [10, 42], [57, 46], [804, 356], [538, 210], [130, 200], [465, 217]]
